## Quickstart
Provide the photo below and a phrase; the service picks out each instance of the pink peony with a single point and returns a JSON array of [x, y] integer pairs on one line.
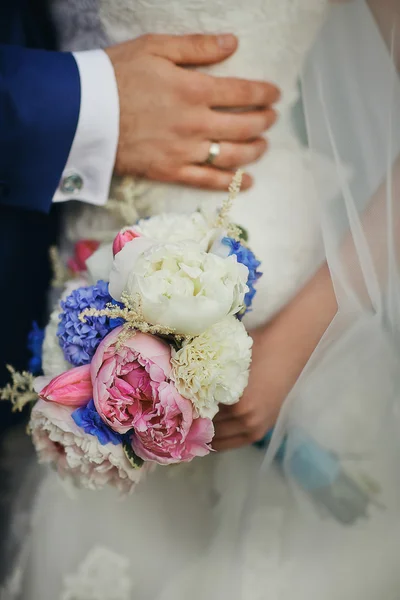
[[123, 237], [83, 250], [125, 379], [171, 434], [132, 390], [71, 388]]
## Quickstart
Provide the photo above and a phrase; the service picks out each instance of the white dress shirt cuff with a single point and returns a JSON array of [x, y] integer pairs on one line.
[[87, 174]]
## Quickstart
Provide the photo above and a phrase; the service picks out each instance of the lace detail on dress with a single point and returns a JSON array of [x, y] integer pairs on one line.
[[78, 24], [103, 575], [274, 36]]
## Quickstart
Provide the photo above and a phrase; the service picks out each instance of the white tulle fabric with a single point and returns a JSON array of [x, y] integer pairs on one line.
[[236, 526], [347, 399]]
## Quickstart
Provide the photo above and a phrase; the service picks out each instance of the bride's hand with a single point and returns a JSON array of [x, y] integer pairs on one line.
[[280, 352]]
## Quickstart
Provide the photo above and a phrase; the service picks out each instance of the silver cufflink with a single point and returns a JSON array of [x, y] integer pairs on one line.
[[71, 184]]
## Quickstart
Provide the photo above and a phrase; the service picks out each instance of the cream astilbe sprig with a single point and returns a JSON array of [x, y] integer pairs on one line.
[[122, 201], [20, 391], [131, 312], [223, 219]]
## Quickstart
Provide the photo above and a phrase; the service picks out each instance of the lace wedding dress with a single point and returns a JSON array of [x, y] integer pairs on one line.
[[280, 213], [176, 537]]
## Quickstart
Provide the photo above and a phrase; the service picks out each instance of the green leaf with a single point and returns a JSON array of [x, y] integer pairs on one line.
[[171, 339], [243, 233], [134, 460]]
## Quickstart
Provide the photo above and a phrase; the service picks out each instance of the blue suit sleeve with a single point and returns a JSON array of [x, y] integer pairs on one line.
[[39, 110]]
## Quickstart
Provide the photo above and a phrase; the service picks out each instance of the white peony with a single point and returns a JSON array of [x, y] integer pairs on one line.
[[76, 455], [125, 262], [180, 286], [213, 368], [175, 227]]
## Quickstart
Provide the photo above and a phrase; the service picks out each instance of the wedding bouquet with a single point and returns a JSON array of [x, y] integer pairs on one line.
[[144, 345]]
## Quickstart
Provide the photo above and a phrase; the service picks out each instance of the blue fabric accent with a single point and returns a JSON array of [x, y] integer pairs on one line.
[[39, 111], [266, 440], [35, 344], [90, 421], [78, 340], [312, 466]]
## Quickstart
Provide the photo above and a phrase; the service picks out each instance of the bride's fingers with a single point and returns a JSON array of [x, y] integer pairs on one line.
[[229, 429], [237, 127], [230, 443], [208, 177], [232, 156], [224, 413], [233, 92]]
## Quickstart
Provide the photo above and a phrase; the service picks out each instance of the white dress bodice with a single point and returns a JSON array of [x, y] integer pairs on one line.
[[281, 211], [274, 36]]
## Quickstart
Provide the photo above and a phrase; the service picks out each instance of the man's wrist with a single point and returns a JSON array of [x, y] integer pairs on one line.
[[87, 174]]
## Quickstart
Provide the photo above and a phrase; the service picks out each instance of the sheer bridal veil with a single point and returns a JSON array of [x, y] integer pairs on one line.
[[337, 441], [341, 424]]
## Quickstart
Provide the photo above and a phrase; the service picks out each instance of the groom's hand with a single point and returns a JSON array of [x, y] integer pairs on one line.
[[168, 115]]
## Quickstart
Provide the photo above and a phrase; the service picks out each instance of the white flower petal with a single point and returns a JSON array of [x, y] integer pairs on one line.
[[100, 263], [177, 227], [124, 263], [183, 287], [213, 368], [84, 462]]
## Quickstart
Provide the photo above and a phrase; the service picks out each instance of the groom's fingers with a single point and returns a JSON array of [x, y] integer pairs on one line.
[[193, 49], [209, 178], [197, 50], [238, 127], [232, 155], [234, 93]]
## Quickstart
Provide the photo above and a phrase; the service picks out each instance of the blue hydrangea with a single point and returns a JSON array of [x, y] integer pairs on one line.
[[35, 344], [246, 257], [78, 340], [88, 419]]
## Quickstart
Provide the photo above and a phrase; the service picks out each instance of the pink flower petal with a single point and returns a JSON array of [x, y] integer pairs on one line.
[[123, 237], [72, 388]]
